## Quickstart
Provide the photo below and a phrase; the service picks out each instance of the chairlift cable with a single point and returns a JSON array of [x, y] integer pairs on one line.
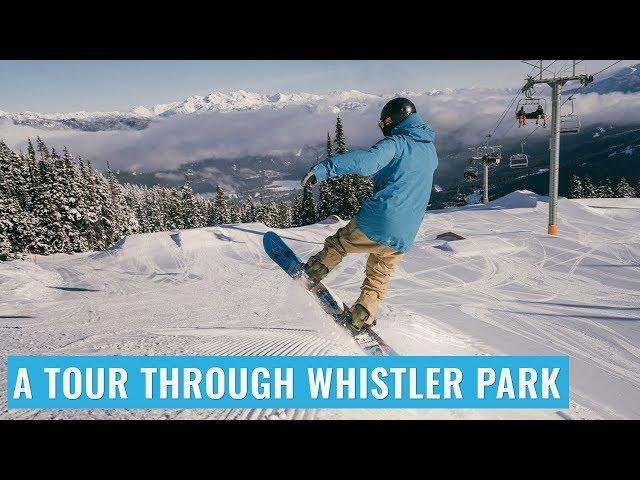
[[606, 68], [504, 113], [513, 101], [577, 90]]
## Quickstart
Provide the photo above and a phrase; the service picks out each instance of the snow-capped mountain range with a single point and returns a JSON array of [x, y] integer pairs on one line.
[[624, 80], [140, 117]]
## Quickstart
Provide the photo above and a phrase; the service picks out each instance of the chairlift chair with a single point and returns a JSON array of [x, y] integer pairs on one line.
[[471, 174], [519, 160], [570, 122], [491, 159], [530, 106], [491, 155]]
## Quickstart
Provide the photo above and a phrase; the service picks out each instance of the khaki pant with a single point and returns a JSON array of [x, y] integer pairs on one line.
[[381, 262]]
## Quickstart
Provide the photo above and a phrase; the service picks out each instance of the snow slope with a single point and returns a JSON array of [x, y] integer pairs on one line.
[[508, 289]]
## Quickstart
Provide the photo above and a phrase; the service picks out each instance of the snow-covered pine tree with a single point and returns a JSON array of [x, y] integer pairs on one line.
[[284, 215], [307, 215], [33, 175], [191, 215], [93, 226], [104, 227], [31, 152], [19, 172], [73, 207], [173, 208], [9, 213], [248, 211], [51, 232], [43, 151], [15, 189], [202, 206], [352, 190], [261, 213], [153, 211], [328, 201], [345, 187], [10, 233], [8, 208], [340, 140], [6, 249], [27, 200], [605, 190], [624, 190], [272, 209], [588, 188], [212, 215], [460, 200], [221, 208], [296, 211], [114, 204], [135, 197], [235, 213], [126, 222], [63, 201], [575, 188]]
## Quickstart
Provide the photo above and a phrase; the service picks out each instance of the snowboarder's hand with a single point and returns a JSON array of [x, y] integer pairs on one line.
[[309, 178]]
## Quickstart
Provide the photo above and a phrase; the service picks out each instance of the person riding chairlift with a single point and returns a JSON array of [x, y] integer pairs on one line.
[[540, 115], [491, 158], [522, 117]]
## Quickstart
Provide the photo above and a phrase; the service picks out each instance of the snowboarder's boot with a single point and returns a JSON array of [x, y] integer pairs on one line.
[[315, 270], [358, 318]]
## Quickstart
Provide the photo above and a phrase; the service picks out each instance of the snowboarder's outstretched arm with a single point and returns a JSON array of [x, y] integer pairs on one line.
[[359, 162]]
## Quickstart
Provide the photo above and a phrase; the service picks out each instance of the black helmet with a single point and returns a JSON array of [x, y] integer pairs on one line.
[[394, 112]]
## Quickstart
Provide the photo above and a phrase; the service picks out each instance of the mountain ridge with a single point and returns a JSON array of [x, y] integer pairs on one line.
[[139, 117]]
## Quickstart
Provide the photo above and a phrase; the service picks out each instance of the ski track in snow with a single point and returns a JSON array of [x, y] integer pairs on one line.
[[213, 291]]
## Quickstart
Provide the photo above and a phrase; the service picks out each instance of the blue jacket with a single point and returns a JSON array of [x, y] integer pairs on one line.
[[402, 166]]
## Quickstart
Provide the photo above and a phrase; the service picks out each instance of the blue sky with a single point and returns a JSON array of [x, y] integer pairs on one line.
[[63, 86]]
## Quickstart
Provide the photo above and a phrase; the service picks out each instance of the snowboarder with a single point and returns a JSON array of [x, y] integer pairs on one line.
[[403, 164]]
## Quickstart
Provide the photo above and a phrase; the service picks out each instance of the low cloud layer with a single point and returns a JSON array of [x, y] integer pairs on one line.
[[460, 120]]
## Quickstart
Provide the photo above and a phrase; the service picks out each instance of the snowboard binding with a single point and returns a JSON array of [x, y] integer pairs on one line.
[[315, 271], [356, 318]]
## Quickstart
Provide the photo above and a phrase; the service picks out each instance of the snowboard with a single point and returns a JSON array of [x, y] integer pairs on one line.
[[286, 258]]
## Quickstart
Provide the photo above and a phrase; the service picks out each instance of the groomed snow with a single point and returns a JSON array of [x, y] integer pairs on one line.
[[213, 291]]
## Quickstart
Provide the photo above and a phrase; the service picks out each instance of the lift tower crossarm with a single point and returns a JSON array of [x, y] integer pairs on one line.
[[584, 80]]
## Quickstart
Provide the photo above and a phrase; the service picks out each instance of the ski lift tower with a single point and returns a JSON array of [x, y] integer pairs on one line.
[[485, 183], [488, 155], [556, 83]]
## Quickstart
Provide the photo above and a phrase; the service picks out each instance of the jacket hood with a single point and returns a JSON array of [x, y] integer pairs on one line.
[[415, 128]]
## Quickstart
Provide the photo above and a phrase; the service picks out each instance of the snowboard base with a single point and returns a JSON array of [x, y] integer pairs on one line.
[[286, 258]]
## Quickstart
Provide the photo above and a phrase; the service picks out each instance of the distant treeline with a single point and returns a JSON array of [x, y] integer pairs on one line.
[[585, 188], [52, 203]]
